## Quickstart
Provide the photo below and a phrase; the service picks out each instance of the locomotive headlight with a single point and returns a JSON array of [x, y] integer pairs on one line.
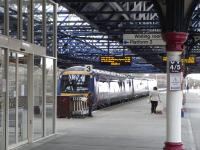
[[77, 98], [84, 99]]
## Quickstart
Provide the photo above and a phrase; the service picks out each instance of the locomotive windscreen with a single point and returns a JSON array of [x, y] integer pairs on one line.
[[73, 83]]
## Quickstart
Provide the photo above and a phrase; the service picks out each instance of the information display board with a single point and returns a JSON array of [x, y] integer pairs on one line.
[[116, 60], [189, 60]]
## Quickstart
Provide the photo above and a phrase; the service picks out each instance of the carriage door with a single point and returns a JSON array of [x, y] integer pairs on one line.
[[18, 99]]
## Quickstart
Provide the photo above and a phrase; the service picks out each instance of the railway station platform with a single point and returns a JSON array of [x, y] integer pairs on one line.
[[127, 126]]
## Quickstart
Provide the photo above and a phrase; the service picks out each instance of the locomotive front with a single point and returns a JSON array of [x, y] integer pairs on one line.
[[74, 88]]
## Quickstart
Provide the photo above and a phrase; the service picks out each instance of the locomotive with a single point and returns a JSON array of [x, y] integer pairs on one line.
[[107, 88]]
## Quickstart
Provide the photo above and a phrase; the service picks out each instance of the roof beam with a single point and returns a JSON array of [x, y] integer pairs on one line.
[[88, 1], [119, 8], [121, 11]]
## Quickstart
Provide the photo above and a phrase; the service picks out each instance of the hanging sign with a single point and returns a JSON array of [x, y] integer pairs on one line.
[[116, 60], [188, 60], [143, 39]]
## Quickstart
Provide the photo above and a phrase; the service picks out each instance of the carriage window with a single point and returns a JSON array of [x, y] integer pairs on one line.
[[75, 83]]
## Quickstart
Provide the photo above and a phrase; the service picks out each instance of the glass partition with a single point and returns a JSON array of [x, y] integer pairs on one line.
[[12, 97], [22, 98], [13, 17], [2, 98], [25, 18], [18, 77], [38, 97], [50, 27], [38, 30], [18, 98], [2, 11], [49, 96]]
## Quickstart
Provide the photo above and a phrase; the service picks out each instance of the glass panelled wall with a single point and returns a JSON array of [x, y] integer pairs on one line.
[[18, 77], [25, 18], [49, 95], [38, 97], [50, 27], [12, 97], [13, 18], [18, 100], [38, 30], [2, 98], [38, 21], [22, 98], [2, 10]]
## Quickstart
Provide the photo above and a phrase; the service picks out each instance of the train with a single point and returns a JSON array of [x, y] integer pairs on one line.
[[107, 88]]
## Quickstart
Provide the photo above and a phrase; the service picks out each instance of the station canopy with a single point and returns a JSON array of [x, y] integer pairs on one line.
[[89, 29]]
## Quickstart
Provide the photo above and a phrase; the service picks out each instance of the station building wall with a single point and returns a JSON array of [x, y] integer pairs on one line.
[[28, 59]]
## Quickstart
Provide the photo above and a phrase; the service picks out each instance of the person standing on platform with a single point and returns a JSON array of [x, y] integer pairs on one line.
[[187, 88], [154, 97], [90, 103]]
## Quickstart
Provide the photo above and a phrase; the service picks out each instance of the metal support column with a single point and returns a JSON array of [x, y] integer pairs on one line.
[[19, 20], [44, 22], [6, 125], [6, 32], [44, 97], [30, 97], [44, 66], [175, 41], [55, 69], [31, 22]]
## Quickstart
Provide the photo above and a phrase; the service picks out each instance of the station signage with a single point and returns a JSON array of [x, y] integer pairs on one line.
[[116, 60], [175, 68], [175, 81], [189, 60], [143, 39], [88, 68]]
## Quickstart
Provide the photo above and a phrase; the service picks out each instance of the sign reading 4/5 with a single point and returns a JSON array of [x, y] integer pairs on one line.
[[174, 66]]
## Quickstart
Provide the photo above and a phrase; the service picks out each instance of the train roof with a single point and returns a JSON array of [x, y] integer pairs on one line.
[[104, 73], [96, 71], [75, 68]]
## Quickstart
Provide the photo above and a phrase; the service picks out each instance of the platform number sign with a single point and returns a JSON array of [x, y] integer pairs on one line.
[[88, 68], [174, 66], [175, 75]]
